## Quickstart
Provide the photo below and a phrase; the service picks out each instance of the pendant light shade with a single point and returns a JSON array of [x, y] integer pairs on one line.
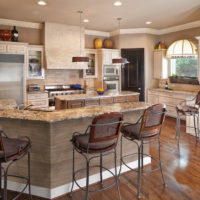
[[80, 59], [118, 61], [182, 49]]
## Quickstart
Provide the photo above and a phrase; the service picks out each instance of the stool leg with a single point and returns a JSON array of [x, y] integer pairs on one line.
[[5, 183], [87, 179], [29, 176], [142, 155], [120, 155], [178, 127], [139, 173], [161, 163], [101, 161], [116, 176], [198, 126], [195, 128], [73, 167], [0, 182]]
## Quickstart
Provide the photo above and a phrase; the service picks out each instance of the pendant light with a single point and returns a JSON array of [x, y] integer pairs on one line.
[[80, 58], [122, 61]]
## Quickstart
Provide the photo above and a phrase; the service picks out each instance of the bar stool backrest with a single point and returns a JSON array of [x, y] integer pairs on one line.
[[153, 118], [197, 102], [106, 127]]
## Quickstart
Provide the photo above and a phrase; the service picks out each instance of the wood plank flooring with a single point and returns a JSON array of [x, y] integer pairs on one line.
[[181, 170]]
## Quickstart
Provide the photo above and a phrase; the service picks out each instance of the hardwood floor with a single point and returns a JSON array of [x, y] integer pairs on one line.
[[181, 170]]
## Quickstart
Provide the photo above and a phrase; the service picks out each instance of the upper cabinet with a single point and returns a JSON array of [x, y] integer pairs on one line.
[[92, 71], [35, 69], [108, 55], [13, 47], [160, 64]]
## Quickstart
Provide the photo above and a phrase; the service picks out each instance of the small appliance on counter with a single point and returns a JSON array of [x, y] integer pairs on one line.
[[33, 87]]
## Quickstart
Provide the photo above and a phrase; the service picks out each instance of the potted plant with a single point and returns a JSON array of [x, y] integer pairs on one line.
[[183, 79]]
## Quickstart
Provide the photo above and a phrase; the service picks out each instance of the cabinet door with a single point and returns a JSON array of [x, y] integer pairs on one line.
[[107, 57], [16, 49], [35, 69], [116, 54], [2, 48], [157, 64], [92, 71], [153, 99]]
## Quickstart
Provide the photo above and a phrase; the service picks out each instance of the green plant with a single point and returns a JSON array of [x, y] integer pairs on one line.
[[182, 75], [175, 75], [193, 77]]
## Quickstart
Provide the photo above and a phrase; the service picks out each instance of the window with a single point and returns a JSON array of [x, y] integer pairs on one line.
[[184, 67]]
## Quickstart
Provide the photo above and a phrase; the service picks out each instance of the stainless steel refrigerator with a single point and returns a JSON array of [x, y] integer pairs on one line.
[[12, 77]]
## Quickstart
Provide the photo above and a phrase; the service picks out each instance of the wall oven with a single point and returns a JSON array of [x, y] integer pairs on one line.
[[110, 70], [111, 84]]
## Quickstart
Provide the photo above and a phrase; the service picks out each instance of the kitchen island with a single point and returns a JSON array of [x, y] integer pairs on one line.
[[51, 152], [94, 99]]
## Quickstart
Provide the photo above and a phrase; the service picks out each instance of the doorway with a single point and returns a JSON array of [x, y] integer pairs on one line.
[[132, 74]]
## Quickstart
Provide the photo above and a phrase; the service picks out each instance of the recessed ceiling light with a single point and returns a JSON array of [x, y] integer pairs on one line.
[[42, 3], [117, 3], [148, 22], [86, 20]]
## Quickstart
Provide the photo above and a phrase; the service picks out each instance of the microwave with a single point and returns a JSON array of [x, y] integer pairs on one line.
[[110, 70]]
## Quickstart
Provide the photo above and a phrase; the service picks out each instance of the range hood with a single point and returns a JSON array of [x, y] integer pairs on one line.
[[62, 42]]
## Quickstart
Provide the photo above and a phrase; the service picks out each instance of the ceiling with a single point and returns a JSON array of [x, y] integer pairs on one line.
[[102, 14]]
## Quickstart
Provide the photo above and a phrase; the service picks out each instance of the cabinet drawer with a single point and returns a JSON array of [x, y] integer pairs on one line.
[[2, 48], [91, 102], [132, 98], [40, 103], [37, 96], [120, 99], [16, 49], [75, 104], [169, 101], [107, 100], [171, 111]]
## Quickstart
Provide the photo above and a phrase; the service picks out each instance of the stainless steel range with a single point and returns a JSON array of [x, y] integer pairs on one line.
[[55, 90]]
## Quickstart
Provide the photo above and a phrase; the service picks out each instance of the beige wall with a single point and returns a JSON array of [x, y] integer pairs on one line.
[[145, 41], [89, 41], [185, 34]]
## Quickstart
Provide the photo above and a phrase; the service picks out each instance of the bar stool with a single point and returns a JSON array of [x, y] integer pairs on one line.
[[146, 130], [100, 139], [12, 150], [188, 108]]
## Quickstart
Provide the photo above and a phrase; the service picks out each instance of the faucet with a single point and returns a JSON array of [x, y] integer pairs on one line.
[[22, 107]]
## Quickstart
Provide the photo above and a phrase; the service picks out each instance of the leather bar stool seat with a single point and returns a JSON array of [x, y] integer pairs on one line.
[[14, 147], [187, 109], [11, 151], [133, 131], [82, 143]]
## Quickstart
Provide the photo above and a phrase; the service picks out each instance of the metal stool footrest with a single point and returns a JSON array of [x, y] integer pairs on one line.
[[95, 166]]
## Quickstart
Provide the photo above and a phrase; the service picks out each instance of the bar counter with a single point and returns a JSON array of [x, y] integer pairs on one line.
[[51, 152]]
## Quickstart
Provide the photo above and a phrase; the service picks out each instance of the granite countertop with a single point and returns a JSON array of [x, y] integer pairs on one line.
[[173, 91], [83, 112], [8, 104], [95, 95]]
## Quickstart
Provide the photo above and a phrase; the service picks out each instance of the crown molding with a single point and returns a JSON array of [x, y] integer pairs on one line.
[[10, 22], [97, 33], [172, 29]]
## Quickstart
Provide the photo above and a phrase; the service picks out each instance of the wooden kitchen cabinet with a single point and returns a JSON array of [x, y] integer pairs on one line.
[[92, 71], [120, 99], [106, 100], [160, 64], [76, 103], [170, 98], [92, 102], [38, 99], [35, 68], [132, 98], [13, 47], [108, 55]]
